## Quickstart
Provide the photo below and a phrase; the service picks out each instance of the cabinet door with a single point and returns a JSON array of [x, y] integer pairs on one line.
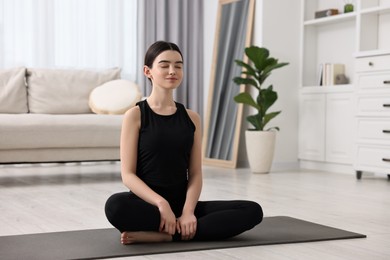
[[339, 128], [312, 127]]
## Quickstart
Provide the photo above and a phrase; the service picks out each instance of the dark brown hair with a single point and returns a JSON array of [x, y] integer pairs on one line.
[[158, 47]]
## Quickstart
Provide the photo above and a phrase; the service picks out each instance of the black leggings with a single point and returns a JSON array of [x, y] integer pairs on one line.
[[215, 219]]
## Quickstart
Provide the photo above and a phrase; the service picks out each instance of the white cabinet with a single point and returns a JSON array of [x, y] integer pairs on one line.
[[339, 128], [327, 125], [373, 115], [312, 127]]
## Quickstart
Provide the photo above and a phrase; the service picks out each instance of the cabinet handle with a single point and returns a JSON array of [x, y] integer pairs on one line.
[[370, 63], [386, 105], [386, 159], [386, 131], [386, 82]]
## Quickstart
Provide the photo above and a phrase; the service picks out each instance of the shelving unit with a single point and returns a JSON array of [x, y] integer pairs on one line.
[[341, 39], [330, 39]]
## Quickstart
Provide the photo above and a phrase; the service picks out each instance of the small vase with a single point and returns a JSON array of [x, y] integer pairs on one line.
[[348, 8]]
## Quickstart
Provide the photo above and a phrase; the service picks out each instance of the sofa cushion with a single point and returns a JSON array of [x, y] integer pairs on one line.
[[32, 131], [114, 97], [13, 92], [60, 91]]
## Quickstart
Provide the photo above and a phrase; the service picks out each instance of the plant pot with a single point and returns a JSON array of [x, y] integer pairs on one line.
[[260, 146]]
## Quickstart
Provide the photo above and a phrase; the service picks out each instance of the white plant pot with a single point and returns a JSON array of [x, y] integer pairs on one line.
[[260, 146]]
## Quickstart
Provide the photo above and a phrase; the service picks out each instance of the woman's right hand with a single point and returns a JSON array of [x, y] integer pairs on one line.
[[167, 218]]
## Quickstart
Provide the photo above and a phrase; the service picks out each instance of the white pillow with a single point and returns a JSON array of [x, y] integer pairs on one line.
[[64, 91], [13, 91], [114, 97]]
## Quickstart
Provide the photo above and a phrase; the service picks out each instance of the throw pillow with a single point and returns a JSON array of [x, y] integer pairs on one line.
[[114, 97], [62, 91], [13, 91]]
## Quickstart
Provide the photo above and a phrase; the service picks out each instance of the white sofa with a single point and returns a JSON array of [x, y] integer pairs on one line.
[[46, 115]]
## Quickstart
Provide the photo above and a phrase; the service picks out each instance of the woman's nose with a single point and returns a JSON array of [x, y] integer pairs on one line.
[[172, 70]]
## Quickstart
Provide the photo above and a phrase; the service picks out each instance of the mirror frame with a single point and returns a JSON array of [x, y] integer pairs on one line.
[[236, 138]]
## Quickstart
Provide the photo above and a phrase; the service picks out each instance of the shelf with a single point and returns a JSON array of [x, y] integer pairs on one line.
[[331, 19], [376, 10], [348, 16], [371, 53]]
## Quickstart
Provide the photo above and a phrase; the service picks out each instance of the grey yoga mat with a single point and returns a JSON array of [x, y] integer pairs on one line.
[[104, 243]]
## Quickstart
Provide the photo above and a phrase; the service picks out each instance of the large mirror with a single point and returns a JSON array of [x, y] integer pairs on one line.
[[224, 115]]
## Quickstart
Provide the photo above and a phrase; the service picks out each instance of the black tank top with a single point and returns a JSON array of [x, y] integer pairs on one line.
[[164, 147]]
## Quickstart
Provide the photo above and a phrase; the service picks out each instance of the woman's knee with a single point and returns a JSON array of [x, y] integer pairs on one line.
[[113, 205], [255, 212]]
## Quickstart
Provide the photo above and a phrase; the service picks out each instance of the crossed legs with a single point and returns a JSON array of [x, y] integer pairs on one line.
[[138, 221]]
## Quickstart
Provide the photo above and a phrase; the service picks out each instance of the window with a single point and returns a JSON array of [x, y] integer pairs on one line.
[[91, 34]]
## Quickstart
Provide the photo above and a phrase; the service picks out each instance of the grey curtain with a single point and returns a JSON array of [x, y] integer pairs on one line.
[[181, 22], [231, 44]]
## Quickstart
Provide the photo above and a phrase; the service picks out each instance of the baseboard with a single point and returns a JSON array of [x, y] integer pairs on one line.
[[284, 166], [328, 167], [276, 166]]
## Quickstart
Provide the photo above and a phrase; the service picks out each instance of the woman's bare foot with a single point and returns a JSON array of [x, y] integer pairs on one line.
[[144, 237]]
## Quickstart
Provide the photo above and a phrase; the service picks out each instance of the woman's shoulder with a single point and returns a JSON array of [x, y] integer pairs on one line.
[[195, 117], [192, 113], [133, 114]]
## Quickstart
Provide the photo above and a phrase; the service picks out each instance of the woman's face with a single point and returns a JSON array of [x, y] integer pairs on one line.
[[167, 70]]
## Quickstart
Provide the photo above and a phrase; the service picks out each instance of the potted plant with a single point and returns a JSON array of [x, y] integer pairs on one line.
[[260, 140]]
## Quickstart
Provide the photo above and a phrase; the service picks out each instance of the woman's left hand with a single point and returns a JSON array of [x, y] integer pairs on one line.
[[186, 226]]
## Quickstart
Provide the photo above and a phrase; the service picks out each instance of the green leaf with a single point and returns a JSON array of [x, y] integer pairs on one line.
[[270, 116], [267, 98], [246, 99], [273, 66], [255, 120], [263, 77], [245, 81], [257, 55], [249, 69]]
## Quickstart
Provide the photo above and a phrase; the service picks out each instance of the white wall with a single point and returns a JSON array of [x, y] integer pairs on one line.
[[210, 8], [276, 27]]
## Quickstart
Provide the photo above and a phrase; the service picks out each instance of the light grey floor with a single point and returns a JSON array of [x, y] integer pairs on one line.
[[59, 197]]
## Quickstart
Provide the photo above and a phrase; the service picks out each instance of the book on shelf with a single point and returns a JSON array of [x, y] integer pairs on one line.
[[326, 13], [319, 74], [328, 72]]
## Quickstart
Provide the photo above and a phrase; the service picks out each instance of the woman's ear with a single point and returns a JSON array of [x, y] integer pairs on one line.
[[147, 72]]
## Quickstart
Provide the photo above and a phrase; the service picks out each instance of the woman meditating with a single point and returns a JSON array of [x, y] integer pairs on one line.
[[161, 166]]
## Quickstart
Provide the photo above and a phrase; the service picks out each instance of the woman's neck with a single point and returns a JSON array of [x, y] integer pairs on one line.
[[161, 102], [161, 98]]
